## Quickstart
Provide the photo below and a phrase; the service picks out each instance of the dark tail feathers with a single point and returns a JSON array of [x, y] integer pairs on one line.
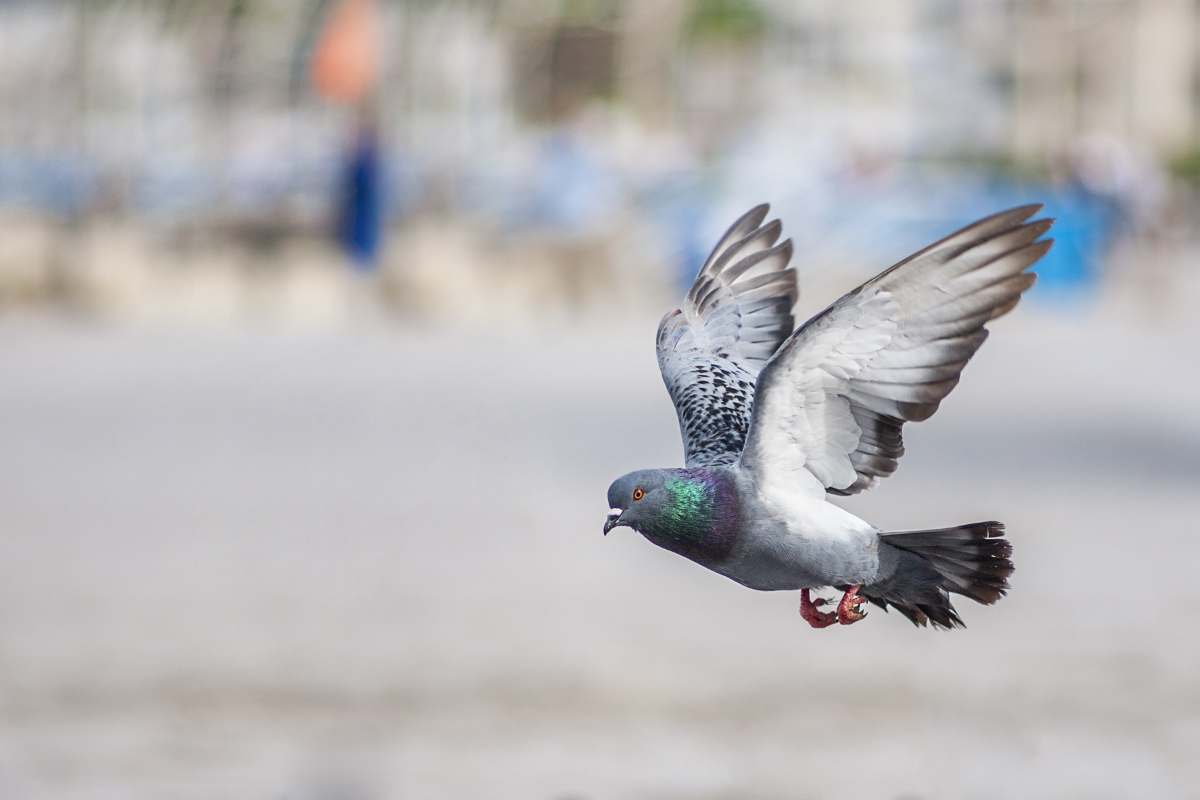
[[972, 560]]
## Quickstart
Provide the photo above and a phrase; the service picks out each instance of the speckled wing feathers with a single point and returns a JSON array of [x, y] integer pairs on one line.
[[832, 401], [711, 350]]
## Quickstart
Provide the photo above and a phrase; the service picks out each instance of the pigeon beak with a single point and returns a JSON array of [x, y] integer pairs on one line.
[[614, 519]]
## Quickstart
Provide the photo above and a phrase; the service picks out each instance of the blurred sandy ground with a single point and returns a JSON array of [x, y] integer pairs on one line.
[[366, 562]]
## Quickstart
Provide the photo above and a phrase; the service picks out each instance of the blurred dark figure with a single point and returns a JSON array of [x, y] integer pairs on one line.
[[344, 70], [360, 205]]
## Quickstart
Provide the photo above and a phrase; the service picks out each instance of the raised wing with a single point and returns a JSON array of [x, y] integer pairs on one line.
[[833, 399], [733, 320]]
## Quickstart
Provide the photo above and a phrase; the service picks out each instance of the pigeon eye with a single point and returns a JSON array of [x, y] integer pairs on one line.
[[639, 493]]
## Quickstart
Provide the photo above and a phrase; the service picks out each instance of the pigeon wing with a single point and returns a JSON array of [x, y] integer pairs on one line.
[[711, 350], [831, 403]]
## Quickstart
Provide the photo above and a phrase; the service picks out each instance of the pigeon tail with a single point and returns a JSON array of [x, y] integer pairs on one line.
[[922, 568]]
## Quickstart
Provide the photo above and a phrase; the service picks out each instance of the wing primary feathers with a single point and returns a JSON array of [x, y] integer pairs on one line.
[[756, 241], [733, 319], [975, 232], [744, 224], [834, 397]]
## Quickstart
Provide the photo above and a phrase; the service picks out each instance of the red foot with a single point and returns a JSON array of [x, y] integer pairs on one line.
[[811, 611], [850, 609]]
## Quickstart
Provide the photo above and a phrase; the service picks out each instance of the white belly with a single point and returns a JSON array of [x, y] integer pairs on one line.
[[803, 542]]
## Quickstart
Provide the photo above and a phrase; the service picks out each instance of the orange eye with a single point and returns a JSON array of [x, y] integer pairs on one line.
[[639, 493]]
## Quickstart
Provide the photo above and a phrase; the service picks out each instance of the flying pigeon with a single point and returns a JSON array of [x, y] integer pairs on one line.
[[774, 419]]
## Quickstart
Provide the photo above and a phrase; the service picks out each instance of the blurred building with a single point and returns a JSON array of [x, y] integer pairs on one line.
[[557, 123]]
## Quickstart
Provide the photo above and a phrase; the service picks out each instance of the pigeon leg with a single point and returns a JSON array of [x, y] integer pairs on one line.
[[811, 611], [850, 608]]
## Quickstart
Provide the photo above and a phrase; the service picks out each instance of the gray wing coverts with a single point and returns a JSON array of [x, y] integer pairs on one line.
[[710, 351], [833, 399]]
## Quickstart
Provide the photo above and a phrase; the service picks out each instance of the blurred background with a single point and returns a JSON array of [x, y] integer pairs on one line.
[[325, 324]]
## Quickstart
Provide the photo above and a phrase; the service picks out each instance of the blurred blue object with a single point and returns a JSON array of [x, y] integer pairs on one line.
[[680, 205], [569, 190], [1084, 228], [62, 185], [360, 213]]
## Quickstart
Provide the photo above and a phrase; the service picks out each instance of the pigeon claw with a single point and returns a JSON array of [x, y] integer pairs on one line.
[[849, 609], [810, 611]]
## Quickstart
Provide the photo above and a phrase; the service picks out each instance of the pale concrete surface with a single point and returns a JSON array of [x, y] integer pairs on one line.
[[368, 564]]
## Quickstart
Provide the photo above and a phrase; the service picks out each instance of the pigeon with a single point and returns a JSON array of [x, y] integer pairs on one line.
[[774, 419]]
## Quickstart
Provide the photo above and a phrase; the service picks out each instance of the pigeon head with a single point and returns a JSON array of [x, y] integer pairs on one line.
[[689, 511], [637, 500]]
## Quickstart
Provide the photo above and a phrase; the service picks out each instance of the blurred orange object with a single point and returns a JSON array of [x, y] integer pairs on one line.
[[345, 61]]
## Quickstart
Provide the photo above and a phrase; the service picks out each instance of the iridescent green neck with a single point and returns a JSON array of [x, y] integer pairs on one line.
[[698, 516], [690, 505]]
